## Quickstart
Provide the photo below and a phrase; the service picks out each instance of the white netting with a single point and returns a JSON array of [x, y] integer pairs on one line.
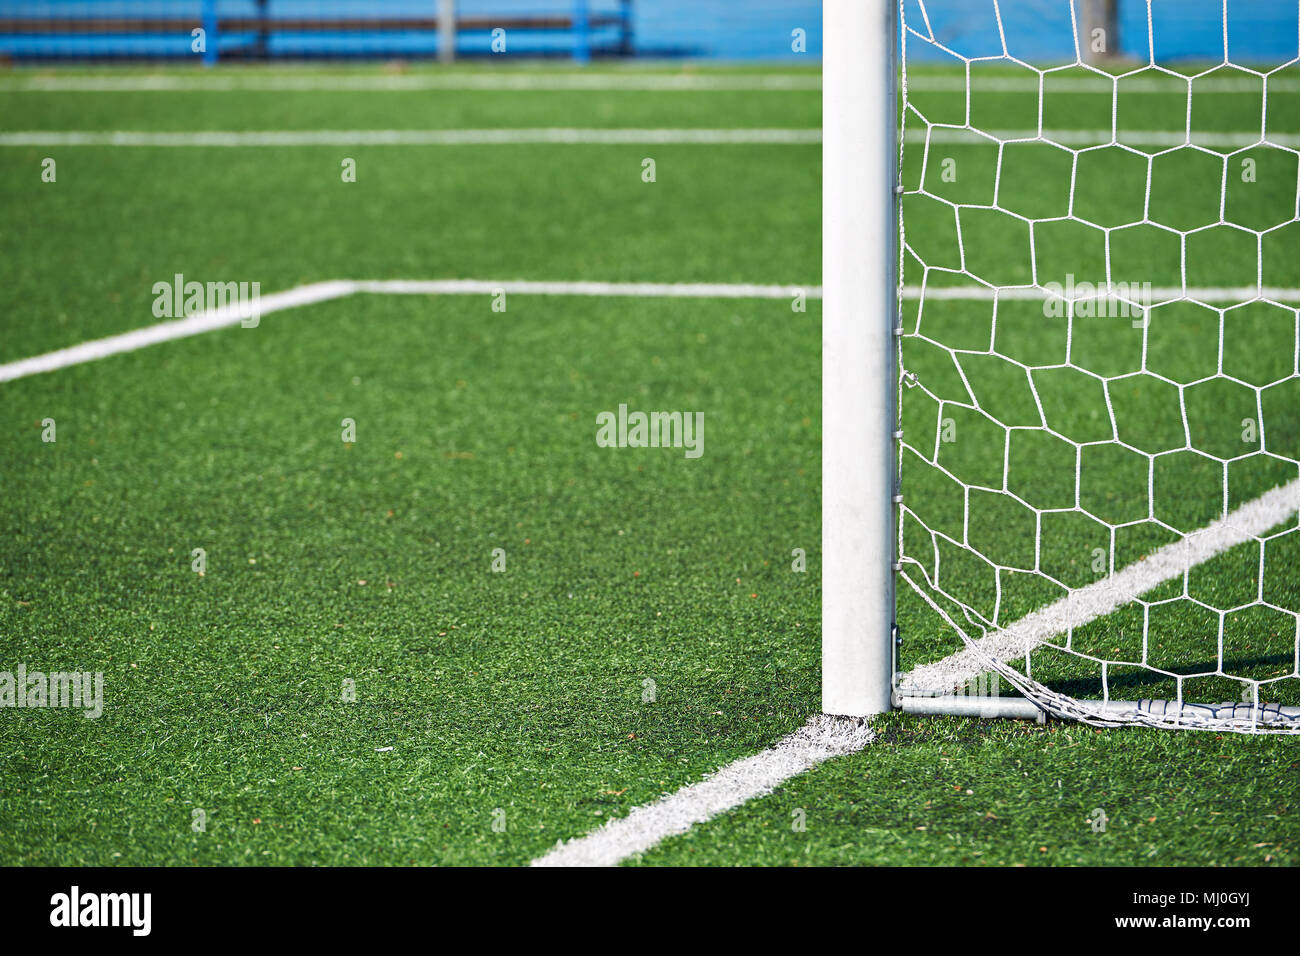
[[1099, 386]]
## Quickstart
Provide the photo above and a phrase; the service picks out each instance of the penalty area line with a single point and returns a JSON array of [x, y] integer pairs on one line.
[[666, 290], [311, 293], [220, 318], [197, 324]]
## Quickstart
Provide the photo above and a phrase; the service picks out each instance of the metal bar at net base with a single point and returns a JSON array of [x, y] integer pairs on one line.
[[1021, 708], [961, 705]]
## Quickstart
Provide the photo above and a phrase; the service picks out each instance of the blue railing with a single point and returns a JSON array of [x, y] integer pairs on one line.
[[1038, 31], [215, 30], [1041, 32]]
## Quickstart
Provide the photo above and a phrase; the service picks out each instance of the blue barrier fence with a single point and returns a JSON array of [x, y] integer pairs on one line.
[[1039, 31], [146, 29], [215, 30]]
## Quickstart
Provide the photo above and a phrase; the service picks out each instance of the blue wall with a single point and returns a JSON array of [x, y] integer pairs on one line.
[[729, 29], [1037, 30]]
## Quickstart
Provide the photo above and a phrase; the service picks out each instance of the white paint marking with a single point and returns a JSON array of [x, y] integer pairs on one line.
[[820, 739], [527, 82], [1159, 294], [1055, 83], [561, 136], [414, 137], [195, 324], [615, 82], [671, 290], [967, 136], [826, 737], [1011, 643], [322, 291]]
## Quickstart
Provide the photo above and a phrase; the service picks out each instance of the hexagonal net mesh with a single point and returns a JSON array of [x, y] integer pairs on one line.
[[1099, 388]]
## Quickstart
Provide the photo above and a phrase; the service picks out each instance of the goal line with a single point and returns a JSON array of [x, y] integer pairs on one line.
[[924, 690], [929, 688]]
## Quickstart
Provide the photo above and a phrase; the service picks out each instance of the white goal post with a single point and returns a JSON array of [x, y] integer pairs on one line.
[[859, 230], [1151, 619]]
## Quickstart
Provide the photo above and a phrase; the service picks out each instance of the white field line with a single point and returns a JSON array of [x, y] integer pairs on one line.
[[1233, 294], [1247, 523], [634, 82], [671, 290], [413, 137], [820, 739], [1055, 83], [195, 324], [825, 737], [752, 136], [968, 136], [524, 82], [322, 291], [210, 320]]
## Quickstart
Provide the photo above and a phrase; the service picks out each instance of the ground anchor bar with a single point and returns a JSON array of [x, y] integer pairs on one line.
[[1021, 708]]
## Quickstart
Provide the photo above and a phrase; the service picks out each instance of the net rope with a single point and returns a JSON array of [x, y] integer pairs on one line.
[[1202, 650]]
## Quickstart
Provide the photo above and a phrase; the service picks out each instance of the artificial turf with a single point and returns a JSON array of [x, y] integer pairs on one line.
[[960, 792], [370, 562]]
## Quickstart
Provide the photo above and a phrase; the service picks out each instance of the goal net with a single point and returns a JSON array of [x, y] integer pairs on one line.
[[1098, 395]]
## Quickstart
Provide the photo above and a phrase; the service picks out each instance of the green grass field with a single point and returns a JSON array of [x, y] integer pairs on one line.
[[484, 697]]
